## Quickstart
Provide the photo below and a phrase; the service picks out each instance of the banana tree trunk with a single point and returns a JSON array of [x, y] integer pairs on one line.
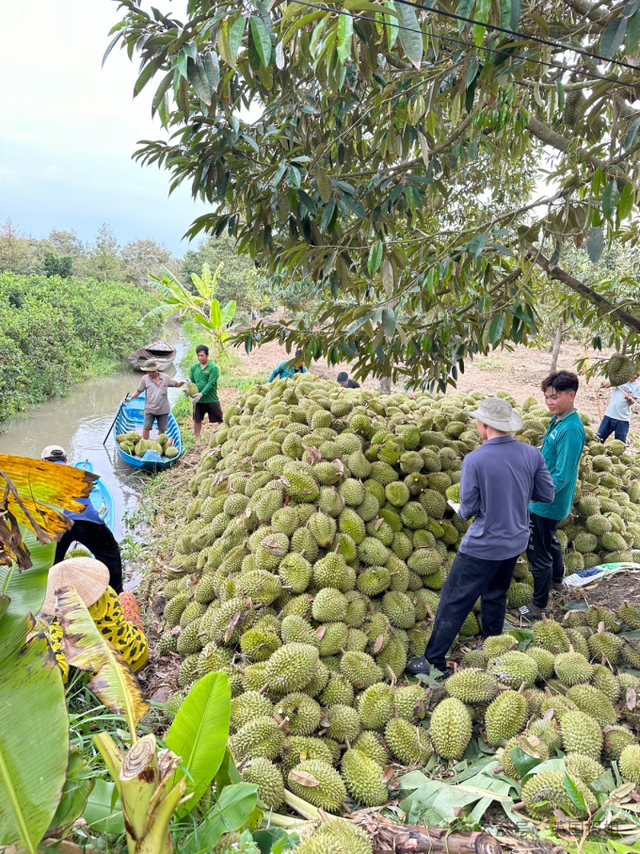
[[389, 837], [141, 776]]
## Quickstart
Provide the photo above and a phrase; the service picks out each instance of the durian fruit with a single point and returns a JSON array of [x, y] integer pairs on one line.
[[629, 614], [547, 731], [472, 686], [505, 716], [545, 792], [371, 745], [629, 763], [258, 737], [497, 645], [550, 635], [360, 669], [620, 369], [344, 723], [266, 776], [593, 702], [606, 681], [572, 668], [291, 667], [363, 778], [605, 644], [297, 749], [301, 712], [409, 702], [581, 734], [318, 783], [450, 728], [514, 668], [544, 659], [410, 744], [249, 705], [584, 767], [375, 706], [616, 738], [352, 838]]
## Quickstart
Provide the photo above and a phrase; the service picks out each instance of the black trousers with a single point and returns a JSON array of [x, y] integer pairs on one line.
[[545, 556], [469, 578], [101, 542]]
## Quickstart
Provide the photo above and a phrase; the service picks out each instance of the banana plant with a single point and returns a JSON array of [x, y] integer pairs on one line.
[[203, 305]]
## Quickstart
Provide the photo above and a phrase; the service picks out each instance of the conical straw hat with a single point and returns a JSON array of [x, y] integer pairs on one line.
[[89, 577]]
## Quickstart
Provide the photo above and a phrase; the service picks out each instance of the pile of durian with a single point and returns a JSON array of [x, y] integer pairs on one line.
[[133, 444], [308, 571]]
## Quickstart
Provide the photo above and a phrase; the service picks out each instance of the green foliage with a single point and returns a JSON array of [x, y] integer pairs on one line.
[[394, 163], [55, 331]]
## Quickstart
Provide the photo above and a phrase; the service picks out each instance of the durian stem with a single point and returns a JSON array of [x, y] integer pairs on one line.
[[305, 809], [286, 821]]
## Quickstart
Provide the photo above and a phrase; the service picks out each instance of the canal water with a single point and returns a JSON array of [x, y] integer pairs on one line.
[[79, 423]]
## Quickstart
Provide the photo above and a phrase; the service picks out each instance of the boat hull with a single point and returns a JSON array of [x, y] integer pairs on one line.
[[131, 417], [100, 497]]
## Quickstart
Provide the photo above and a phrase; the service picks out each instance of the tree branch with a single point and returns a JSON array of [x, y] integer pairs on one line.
[[591, 10], [561, 143], [579, 287]]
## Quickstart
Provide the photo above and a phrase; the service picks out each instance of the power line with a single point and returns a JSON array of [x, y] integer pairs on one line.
[[501, 51], [527, 36]]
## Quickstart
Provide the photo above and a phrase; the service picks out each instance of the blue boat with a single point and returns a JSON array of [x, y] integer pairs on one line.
[[100, 497], [131, 417]]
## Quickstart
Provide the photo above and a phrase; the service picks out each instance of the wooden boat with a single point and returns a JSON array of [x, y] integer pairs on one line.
[[131, 417], [163, 353], [100, 497]]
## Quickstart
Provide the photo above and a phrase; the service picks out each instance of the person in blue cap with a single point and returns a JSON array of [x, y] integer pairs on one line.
[[288, 368], [87, 528]]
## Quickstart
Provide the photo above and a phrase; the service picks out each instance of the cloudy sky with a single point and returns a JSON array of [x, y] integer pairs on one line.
[[69, 127]]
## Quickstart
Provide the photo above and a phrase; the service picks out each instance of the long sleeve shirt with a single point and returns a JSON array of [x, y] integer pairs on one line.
[[497, 482], [561, 449], [619, 407], [285, 370]]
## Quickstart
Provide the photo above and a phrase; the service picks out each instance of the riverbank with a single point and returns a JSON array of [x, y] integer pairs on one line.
[[55, 332]]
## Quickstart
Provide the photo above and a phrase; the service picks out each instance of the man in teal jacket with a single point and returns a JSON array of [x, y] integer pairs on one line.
[[288, 368], [561, 449]]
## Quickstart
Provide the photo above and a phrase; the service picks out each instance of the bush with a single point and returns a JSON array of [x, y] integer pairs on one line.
[[56, 331]]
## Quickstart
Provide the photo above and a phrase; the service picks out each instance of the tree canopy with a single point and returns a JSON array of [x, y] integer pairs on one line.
[[390, 152]]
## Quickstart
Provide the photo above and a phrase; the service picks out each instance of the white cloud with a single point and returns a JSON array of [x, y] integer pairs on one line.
[[72, 126]]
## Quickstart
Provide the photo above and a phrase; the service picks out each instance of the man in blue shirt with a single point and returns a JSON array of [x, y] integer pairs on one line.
[[497, 482], [288, 368], [561, 449], [616, 418], [88, 529]]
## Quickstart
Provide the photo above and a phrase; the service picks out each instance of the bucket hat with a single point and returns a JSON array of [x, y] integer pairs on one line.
[[53, 451], [89, 577], [498, 413], [150, 365]]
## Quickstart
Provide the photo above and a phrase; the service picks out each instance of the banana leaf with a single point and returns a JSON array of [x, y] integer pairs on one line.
[[199, 735], [24, 590], [34, 738], [77, 789], [35, 494], [84, 647]]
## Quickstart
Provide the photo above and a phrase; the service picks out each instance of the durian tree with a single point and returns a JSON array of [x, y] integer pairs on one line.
[[392, 158]]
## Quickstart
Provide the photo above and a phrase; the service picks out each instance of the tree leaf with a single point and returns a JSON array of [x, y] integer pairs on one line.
[[199, 734], [464, 9], [388, 321], [575, 796], [625, 203], [595, 244], [261, 39], [631, 133], [324, 187], [391, 26], [26, 589], [523, 761], [410, 38], [34, 738], [633, 34], [84, 647], [103, 811], [477, 244], [613, 36], [345, 31], [375, 257], [505, 13], [609, 199], [234, 806], [496, 328], [515, 14], [216, 314], [235, 35]]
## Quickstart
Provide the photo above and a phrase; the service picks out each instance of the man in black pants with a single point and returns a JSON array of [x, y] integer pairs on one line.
[[497, 482], [88, 529]]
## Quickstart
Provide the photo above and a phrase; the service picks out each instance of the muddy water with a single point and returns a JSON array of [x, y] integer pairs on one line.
[[79, 423]]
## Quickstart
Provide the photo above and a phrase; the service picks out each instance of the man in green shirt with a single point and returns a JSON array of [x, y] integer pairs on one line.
[[561, 449], [205, 375]]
